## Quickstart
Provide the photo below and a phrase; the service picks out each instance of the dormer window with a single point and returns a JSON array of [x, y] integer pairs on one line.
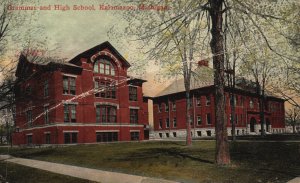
[[103, 66]]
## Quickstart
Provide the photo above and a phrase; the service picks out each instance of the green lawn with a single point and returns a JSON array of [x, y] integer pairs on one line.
[[251, 161], [22, 174]]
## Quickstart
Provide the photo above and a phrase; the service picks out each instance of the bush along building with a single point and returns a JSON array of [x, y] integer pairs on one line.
[[86, 100], [169, 109]]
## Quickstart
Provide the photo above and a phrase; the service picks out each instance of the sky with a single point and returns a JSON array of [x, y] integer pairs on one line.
[[74, 31], [77, 30]]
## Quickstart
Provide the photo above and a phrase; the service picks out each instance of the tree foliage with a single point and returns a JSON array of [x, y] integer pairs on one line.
[[214, 21]]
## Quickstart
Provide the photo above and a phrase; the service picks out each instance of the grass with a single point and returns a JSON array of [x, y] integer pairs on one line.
[[251, 161], [22, 174]]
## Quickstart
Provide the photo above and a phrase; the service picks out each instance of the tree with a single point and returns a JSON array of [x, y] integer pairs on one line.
[[249, 18], [293, 117], [261, 66]]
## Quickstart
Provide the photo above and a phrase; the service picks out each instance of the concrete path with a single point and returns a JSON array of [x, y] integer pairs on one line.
[[295, 180], [83, 173]]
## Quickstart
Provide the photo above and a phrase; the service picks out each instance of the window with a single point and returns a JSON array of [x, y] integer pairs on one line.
[[134, 135], [208, 121], [160, 123], [174, 122], [29, 117], [134, 116], [251, 104], [106, 114], [167, 135], [174, 134], [174, 106], [159, 107], [241, 119], [167, 107], [46, 88], [199, 133], [199, 120], [29, 139], [207, 100], [198, 101], [191, 120], [28, 90], [242, 101], [47, 138], [106, 136], [69, 85], [69, 113], [132, 93], [191, 103], [46, 114], [103, 66], [235, 98], [167, 123], [104, 89], [160, 135], [70, 138], [208, 132]]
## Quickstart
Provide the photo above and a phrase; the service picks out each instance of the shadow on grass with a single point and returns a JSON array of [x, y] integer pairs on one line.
[[273, 171], [30, 153], [157, 152]]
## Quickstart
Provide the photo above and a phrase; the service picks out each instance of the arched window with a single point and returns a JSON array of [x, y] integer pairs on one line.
[[104, 66]]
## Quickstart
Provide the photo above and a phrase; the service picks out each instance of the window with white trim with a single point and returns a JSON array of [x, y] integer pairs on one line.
[[207, 100], [167, 123], [69, 113], [106, 136], [132, 93], [104, 66], [208, 119], [70, 137], [134, 116], [104, 89], [46, 88], [199, 120], [69, 85], [106, 114], [134, 135], [29, 117], [174, 105], [198, 101], [47, 138], [174, 122], [160, 123], [46, 114]]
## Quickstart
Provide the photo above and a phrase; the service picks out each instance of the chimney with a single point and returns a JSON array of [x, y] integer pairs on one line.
[[202, 63]]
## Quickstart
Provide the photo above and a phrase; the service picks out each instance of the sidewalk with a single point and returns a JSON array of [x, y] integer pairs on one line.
[[83, 173], [295, 180]]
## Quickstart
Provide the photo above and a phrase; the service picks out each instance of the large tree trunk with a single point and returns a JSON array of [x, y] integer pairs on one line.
[[261, 95], [222, 146], [188, 119]]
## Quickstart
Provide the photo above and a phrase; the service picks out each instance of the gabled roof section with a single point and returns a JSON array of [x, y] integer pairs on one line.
[[178, 86], [205, 79], [26, 66], [90, 52]]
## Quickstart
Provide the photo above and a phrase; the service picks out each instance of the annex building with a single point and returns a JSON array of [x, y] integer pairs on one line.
[[86, 100], [169, 109]]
